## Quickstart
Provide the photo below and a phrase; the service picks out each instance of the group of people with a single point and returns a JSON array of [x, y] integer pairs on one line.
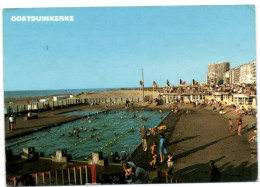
[[115, 157], [239, 125], [127, 105], [144, 132], [249, 89]]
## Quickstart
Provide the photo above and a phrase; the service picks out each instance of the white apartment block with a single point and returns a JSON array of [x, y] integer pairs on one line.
[[245, 73]]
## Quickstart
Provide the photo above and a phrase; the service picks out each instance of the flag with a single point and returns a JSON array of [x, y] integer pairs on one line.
[[154, 84], [194, 82], [141, 83], [168, 83], [180, 82], [184, 82]]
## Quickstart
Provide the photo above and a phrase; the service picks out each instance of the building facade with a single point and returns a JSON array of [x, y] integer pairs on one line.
[[216, 72], [245, 73]]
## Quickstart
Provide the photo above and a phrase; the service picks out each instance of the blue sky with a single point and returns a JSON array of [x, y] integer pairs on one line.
[[108, 47]]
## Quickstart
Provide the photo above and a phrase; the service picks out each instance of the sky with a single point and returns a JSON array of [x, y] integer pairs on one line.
[[107, 47]]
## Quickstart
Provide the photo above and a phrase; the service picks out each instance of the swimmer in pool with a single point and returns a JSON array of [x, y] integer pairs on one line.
[[69, 134], [97, 140], [77, 136], [116, 133], [103, 125]]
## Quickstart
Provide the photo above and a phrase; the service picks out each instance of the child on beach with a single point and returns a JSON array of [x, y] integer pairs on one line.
[[154, 155], [230, 123], [170, 163], [239, 125]]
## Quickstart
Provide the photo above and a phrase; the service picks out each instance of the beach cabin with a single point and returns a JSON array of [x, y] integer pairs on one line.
[[57, 98], [170, 97], [248, 101], [221, 97], [44, 100]]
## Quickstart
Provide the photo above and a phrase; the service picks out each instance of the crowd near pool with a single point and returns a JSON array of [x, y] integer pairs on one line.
[[105, 128]]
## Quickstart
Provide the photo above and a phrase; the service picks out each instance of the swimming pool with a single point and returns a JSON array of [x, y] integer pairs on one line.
[[121, 122], [83, 112]]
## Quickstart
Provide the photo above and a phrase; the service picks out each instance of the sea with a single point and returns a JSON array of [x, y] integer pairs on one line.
[[36, 93]]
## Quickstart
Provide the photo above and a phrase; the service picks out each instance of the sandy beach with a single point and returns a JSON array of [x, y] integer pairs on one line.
[[102, 94]]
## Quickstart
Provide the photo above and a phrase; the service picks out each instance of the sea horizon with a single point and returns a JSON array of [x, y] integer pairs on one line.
[[8, 94]]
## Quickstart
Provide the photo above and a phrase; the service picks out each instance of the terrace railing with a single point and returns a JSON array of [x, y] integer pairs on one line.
[[71, 176], [168, 178]]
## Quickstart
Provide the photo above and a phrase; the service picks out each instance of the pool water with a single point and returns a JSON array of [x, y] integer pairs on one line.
[[121, 122], [82, 112]]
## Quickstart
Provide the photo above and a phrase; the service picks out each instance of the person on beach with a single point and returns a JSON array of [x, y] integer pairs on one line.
[[128, 167], [144, 133], [239, 120], [170, 163], [12, 121], [25, 180], [154, 155], [139, 176], [230, 123], [162, 149], [213, 172], [9, 123], [116, 158], [153, 131], [197, 103], [110, 157], [254, 138]]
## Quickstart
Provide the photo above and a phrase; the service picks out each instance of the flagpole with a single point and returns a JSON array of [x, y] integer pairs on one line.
[[140, 92], [153, 92], [143, 84]]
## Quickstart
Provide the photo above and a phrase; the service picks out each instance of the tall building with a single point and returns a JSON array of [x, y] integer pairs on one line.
[[216, 72], [245, 73]]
